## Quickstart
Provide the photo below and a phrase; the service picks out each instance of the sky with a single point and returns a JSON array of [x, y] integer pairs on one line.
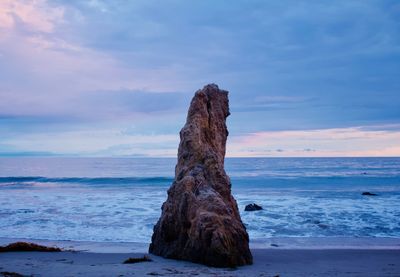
[[115, 78]]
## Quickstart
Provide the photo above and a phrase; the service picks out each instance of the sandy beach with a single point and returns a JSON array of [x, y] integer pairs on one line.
[[106, 259]]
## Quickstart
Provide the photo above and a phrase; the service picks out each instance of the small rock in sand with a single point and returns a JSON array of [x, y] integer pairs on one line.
[[11, 274]]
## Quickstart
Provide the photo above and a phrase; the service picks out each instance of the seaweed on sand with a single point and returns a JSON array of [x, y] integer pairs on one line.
[[27, 246], [138, 260]]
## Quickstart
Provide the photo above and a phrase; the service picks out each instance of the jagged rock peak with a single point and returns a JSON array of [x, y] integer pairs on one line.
[[200, 221]]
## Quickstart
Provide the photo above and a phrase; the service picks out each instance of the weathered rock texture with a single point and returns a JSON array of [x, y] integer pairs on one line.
[[200, 221]]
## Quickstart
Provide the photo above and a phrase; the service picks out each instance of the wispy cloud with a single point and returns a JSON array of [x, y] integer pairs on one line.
[[113, 141], [95, 142], [35, 15], [338, 142], [44, 72]]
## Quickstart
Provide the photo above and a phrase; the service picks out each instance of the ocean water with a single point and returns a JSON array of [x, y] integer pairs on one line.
[[119, 199]]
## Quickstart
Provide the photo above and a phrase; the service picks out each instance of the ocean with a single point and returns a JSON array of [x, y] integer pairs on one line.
[[119, 199]]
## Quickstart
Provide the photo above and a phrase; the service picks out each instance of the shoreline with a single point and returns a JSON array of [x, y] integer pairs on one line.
[[283, 243]]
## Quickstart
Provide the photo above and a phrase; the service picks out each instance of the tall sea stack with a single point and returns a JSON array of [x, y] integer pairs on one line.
[[200, 221]]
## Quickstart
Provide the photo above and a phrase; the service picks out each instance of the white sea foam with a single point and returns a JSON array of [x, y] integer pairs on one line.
[[87, 202]]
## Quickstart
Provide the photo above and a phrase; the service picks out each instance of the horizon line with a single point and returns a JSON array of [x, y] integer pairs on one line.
[[12, 155]]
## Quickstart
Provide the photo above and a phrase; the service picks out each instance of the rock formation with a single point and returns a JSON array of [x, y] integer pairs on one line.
[[200, 221], [367, 193], [252, 207]]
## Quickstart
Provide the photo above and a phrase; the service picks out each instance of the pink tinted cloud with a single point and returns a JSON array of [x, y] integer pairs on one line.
[[37, 15], [52, 75], [337, 142]]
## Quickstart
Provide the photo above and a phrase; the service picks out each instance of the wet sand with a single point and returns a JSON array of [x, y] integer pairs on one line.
[[273, 261]]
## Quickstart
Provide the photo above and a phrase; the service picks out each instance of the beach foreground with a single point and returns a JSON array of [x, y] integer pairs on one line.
[[267, 262]]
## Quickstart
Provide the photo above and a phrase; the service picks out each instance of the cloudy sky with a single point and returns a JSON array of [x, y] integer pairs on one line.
[[115, 78]]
